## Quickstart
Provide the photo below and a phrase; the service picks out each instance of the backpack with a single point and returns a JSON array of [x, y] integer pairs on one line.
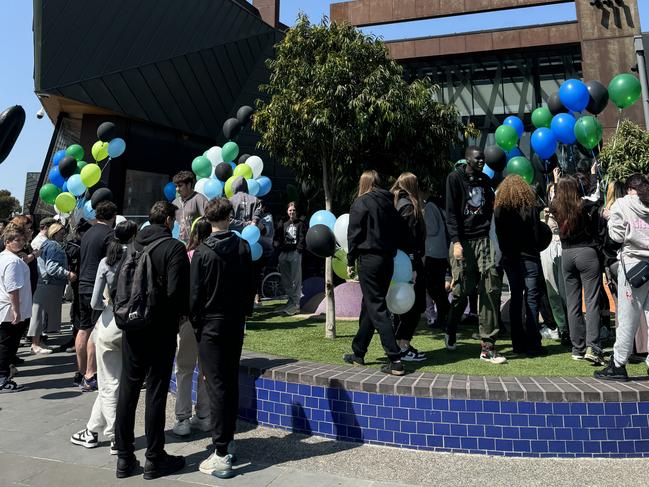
[[136, 292]]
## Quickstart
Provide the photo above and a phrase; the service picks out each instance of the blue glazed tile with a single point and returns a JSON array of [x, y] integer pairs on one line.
[[494, 431], [615, 434], [377, 423], [384, 412], [386, 436], [425, 428], [280, 386], [442, 429], [522, 446], [449, 417], [368, 410], [543, 408], [423, 403], [595, 408], [418, 440], [525, 408], [511, 433], [622, 421], [363, 421], [578, 408], [639, 421], [612, 408], [519, 419], [262, 416], [629, 408], [557, 446], [539, 446], [340, 430], [631, 433], [338, 406], [643, 407], [328, 416], [575, 446], [273, 418], [508, 407], [399, 413], [440, 404], [408, 426], [356, 408], [491, 406], [606, 421], [485, 418], [416, 415], [262, 394], [592, 446], [370, 435], [474, 405], [563, 434], [536, 420], [476, 431], [316, 391], [281, 408], [290, 398], [504, 445], [589, 421], [434, 416], [641, 446], [317, 415], [467, 418], [609, 446], [390, 400], [580, 434], [402, 439], [458, 430], [572, 421], [304, 389], [323, 404], [528, 433], [626, 446], [376, 399], [326, 428], [311, 402], [469, 443], [457, 405], [406, 402], [451, 442], [286, 421], [434, 441], [273, 396], [502, 419], [486, 443], [393, 425], [561, 408], [361, 397], [513, 454], [554, 421], [354, 432]]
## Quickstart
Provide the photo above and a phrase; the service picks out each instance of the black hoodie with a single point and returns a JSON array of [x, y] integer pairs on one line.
[[222, 281], [170, 265], [374, 226]]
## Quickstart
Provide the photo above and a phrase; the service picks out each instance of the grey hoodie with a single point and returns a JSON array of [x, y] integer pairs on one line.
[[436, 242], [629, 225], [245, 208]]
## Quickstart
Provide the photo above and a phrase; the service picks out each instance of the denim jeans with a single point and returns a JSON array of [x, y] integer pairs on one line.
[[523, 276]]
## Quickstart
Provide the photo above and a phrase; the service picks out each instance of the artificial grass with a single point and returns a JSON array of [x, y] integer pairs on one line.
[[302, 337]]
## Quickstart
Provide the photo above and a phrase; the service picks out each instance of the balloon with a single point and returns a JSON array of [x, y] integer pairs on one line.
[[75, 151], [515, 152], [495, 158], [56, 178], [340, 231], [506, 137], [213, 188], [99, 150], [256, 251], [12, 121], [200, 186], [48, 193], [227, 189], [253, 187], [175, 231], [323, 217], [544, 142], [563, 126], [75, 185], [65, 202], [598, 97], [320, 241], [243, 170], [64, 188], [488, 171], [88, 211], [251, 234], [102, 194], [402, 267], [257, 166], [231, 128], [400, 298], [555, 106], [67, 166], [233, 165], [90, 175], [588, 131], [214, 155], [542, 117], [573, 94], [624, 89], [96, 187], [116, 147], [230, 151], [145, 224], [523, 167], [339, 264], [516, 123], [80, 166], [170, 191], [202, 167], [106, 131], [223, 171], [58, 156], [265, 185], [243, 158], [244, 114]]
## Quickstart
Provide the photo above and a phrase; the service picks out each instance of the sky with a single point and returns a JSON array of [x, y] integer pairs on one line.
[[17, 64]]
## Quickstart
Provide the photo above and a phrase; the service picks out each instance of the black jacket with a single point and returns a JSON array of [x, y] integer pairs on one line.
[[286, 242], [587, 231], [222, 281], [521, 233], [171, 268], [415, 241], [374, 226]]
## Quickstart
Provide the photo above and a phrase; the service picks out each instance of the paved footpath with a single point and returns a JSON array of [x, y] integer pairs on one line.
[[35, 426]]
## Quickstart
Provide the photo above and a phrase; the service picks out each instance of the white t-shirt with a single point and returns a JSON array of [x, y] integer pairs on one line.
[[38, 241], [14, 274]]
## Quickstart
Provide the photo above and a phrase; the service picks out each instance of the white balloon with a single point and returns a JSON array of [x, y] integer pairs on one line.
[[119, 219], [340, 231], [214, 155], [257, 166], [200, 186], [400, 298]]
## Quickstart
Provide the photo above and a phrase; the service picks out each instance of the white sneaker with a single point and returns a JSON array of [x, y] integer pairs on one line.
[[490, 355], [113, 448], [182, 427], [549, 333], [203, 424], [85, 438], [217, 466], [41, 350]]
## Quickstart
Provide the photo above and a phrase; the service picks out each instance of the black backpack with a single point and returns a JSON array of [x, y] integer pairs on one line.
[[136, 290]]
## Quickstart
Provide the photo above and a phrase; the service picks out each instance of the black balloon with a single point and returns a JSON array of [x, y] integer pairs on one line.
[[555, 106], [231, 128], [106, 131], [223, 171], [598, 97], [11, 124], [320, 241], [495, 158], [97, 187], [243, 158], [544, 235], [67, 166], [102, 194], [244, 114]]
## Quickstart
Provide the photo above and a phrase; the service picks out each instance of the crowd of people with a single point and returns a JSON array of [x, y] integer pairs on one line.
[[197, 295]]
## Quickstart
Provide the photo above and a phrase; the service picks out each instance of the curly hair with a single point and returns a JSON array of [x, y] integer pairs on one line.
[[514, 194]]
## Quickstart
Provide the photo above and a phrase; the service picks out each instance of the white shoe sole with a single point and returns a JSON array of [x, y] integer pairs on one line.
[[83, 443]]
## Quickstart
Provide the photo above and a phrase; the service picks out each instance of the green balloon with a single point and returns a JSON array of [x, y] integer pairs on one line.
[[48, 193], [339, 264], [76, 151], [227, 189], [521, 166], [65, 202], [506, 137], [542, 117], [230, 151], [202, 167], [90, 175], [99, 150], [80, 166], [624, 90], [243, 170], [588, 131]]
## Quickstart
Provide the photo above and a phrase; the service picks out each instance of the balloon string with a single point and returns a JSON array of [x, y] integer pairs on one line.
[[106, 164]]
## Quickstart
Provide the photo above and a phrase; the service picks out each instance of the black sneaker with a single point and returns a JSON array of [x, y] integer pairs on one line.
[[393, 368], [126, 467], [89, 385], [612, 372], [412, 355], [565, 338], [165, 465], [78, 379], [352, 359], [17, 360]]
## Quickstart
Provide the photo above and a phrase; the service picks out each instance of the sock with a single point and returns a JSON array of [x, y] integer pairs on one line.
[[221, 451]]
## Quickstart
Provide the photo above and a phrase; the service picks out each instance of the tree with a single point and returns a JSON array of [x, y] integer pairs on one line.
[[339, 105], [626, 153], [9, 205]]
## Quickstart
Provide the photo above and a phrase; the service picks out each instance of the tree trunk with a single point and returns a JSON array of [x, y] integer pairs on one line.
[[330, 323]]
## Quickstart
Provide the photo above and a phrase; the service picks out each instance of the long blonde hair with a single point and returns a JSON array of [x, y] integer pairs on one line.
[[369, 180], [407, 182]]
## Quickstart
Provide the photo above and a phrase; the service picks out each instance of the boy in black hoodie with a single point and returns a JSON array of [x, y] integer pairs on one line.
[[222, 295]]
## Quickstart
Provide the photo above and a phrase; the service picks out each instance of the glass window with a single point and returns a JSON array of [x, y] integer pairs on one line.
[[143, 188]]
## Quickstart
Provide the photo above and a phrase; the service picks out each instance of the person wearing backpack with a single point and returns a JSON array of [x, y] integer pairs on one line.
[[155, 272], [222, 294]]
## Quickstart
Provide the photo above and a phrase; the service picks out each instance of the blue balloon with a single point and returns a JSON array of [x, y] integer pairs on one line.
[[233, 165], [116, 147], [175, 232], [544, 142], [402, 267], [75, 185], [517, 123], [488, 171], [256, 251], [574, 95], [563, 128], [265, 184], [323, 217], [88, 212], [64, 188], [237, 233], [515, 152], [251, 234], [55, 177], [170, 191], [58, 155], [213, 188], [253, 187]]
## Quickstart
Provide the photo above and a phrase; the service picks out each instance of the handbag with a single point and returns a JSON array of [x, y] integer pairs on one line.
[[638, 275]]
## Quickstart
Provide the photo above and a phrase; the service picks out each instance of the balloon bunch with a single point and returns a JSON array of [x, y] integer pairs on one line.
[[251, 234]]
